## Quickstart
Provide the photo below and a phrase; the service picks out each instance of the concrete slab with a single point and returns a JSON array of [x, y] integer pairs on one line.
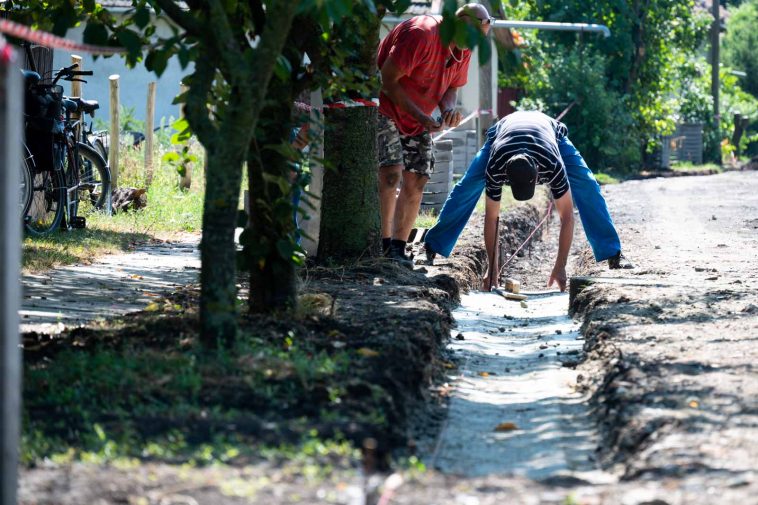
[[512, 377]]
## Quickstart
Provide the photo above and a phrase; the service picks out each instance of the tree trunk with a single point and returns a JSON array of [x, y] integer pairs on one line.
[[270, 247], [218, 314], [350, 200]]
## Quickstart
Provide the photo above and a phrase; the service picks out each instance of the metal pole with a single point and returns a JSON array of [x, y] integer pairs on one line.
[[715, 58], [10, 259], [536, 25]]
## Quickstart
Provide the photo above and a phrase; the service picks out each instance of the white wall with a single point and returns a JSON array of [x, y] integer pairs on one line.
[[133, 82]]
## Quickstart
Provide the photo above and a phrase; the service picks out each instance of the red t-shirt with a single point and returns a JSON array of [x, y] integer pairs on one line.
[[416, 47]]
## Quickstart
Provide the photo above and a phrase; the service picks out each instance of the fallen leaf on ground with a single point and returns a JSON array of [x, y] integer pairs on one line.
[[152, 307], [506, 427], [367, 353], [447, 364]]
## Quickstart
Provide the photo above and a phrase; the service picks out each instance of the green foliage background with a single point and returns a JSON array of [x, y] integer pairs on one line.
[[631, 88]]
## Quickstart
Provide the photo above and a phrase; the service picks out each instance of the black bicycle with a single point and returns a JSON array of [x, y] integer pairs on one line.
[[64, 162]]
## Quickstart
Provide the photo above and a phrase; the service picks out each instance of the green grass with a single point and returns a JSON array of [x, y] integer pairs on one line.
[[603, 179], [146, 388], [425, 219], [686, 166], [169, 210]]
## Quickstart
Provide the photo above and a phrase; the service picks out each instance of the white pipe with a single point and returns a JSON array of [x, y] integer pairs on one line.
[[546, 25], [536, 25]]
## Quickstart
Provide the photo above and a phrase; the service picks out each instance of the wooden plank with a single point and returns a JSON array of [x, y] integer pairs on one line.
[[311, 204], [510, 296]]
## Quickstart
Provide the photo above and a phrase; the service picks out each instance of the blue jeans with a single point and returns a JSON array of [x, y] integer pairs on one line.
[[593, 211]]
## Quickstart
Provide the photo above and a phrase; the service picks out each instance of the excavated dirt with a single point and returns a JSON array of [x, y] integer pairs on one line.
[[668, 365]]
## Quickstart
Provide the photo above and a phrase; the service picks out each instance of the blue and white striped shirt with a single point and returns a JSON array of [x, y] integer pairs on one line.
[[532, 133]]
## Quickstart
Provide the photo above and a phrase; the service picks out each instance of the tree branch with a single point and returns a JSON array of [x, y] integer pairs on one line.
[[196, 106]]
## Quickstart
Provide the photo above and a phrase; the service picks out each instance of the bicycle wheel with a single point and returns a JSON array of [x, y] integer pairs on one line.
[[47, 204], [25, 189], [94, 180]]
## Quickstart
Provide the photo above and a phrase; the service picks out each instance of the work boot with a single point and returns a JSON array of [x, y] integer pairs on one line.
[[430, 254], [618, 261], [397, 253]]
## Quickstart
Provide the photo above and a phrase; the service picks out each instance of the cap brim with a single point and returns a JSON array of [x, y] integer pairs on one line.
[[521, 193]]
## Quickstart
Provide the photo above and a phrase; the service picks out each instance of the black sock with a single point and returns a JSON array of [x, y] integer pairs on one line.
[[399, 245], [386, 241]]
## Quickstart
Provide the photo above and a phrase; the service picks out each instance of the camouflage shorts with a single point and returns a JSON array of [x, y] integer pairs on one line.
[[414, 152]]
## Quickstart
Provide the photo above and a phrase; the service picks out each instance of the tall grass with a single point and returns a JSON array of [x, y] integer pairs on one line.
[[169, 210]]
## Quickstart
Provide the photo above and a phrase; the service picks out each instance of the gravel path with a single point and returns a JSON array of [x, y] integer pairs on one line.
[[111, 286]]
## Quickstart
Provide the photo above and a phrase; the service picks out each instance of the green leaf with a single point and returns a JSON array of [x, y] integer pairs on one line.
[[142, 17], [286, 249], [157, 60], [447, 29], [283, 68], [130, 40], [171, 157], [95, 33]]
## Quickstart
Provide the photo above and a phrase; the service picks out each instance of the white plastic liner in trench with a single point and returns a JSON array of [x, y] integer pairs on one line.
[[514, 408]]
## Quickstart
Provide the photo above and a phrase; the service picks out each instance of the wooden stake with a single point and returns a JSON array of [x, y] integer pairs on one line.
[[149, 119], [113, 145]]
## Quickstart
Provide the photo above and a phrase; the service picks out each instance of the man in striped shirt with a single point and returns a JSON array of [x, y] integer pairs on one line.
[[419, 73], [522, 150]]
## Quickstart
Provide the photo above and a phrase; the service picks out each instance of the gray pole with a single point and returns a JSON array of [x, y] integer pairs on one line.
[[715, 59], [10, 265]]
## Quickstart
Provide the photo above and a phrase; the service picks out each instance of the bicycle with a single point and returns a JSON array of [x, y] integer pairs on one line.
[[86, 176]]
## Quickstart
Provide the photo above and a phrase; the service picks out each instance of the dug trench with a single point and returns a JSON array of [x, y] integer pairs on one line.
[[363, 364], [356, 366]]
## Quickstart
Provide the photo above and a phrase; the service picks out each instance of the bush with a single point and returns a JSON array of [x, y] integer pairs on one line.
[[740, 43], [600, 124]]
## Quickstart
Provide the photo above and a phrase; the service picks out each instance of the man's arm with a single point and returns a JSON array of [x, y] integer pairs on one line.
[[391, 75], [491, 214], [565, 207], [450, 116]]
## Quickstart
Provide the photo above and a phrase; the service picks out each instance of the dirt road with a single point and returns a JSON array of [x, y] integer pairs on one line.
[[670, 349]]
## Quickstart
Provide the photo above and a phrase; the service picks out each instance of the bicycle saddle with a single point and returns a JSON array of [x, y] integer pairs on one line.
[[88, 106]]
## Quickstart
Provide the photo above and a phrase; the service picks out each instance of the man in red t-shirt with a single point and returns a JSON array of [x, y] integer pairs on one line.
[[419, 74]]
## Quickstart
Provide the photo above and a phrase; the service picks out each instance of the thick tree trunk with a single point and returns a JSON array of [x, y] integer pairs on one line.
[[350, 200], [270, 245], [218, 314]]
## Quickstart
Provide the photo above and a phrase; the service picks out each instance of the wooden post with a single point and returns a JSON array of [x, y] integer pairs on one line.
[[11, 130], [76, 86], [114, 133], [149, 118], [312, 204], [185, 181]]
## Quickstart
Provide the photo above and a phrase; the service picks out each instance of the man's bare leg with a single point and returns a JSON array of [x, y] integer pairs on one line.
[[389, 178], [408, 204]]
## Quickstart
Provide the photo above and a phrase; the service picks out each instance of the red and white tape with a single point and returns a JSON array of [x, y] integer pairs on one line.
[[46, 39], [6, 52]]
